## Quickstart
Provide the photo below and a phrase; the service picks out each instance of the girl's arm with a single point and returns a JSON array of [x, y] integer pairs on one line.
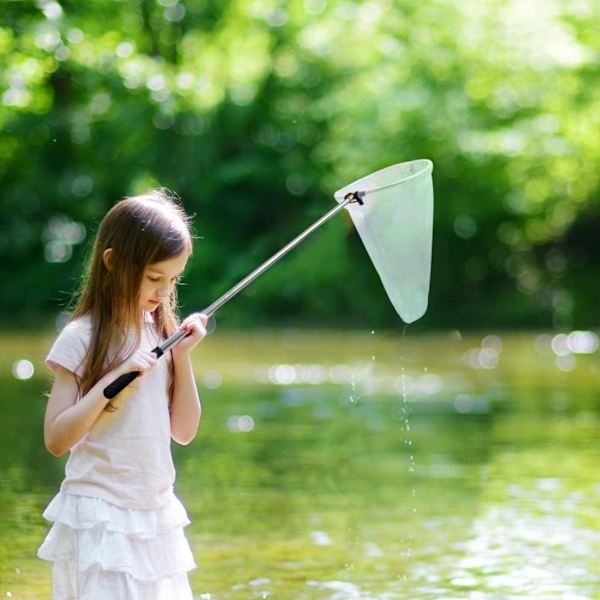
[[67, 420], [185, 401]]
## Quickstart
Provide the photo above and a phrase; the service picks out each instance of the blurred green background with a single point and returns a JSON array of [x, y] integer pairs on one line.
[[255, 112], [341, 455]]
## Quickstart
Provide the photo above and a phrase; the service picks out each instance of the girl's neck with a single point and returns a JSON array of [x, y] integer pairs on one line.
[[144, 319]]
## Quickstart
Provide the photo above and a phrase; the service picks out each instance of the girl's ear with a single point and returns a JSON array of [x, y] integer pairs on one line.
[[107, 258]]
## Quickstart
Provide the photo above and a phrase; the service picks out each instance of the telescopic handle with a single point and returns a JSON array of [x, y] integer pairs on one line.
[[121, 382], [238, 287], [124, 380]]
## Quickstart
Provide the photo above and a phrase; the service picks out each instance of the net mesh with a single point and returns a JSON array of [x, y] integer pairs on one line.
[[395, 224]]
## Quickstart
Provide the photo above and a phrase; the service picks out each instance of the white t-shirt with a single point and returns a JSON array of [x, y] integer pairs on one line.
[[125, 458]]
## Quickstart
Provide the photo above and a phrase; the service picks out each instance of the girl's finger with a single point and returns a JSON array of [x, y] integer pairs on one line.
[[194, 326], [145, 360], [199, 318]]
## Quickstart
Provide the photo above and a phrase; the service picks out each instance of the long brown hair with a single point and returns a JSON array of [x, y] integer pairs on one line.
[[140, 231]]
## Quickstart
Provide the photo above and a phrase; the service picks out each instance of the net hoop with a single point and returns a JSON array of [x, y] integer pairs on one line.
[[419, 167]]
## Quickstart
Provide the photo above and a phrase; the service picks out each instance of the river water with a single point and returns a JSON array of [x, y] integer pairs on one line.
[[367, 465]]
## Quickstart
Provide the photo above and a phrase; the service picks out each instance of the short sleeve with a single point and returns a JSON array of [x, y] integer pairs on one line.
[[70, 348]]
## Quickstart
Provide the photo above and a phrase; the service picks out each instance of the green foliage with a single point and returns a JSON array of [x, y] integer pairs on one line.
[[256, 111]]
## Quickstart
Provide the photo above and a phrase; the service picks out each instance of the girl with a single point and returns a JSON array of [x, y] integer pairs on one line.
[[117, 530]]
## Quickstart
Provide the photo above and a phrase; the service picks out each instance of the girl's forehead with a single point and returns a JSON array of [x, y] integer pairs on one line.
[[170, 265]]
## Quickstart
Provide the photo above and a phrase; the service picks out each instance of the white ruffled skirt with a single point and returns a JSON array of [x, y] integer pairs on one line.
[[101, 551]]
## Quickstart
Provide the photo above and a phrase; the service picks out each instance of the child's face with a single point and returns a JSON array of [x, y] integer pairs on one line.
[[159, 279]]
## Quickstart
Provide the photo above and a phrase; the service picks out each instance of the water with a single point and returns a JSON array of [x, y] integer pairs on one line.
[[461, 468]]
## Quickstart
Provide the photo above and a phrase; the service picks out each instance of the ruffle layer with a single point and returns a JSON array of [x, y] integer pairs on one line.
[[95, 584], [92, 534], [83, 512]]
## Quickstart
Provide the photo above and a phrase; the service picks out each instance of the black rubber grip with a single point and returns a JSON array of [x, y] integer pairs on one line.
[[119, 384]]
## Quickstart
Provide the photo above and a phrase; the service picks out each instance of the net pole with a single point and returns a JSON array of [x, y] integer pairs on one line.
[[238, 287]]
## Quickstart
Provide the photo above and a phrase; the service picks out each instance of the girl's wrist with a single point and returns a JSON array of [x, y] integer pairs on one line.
[[180, 355]]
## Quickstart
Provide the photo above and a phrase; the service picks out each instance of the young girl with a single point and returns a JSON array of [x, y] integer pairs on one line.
[[117, 530]]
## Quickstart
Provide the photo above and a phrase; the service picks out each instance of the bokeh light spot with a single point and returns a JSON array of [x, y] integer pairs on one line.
[[465, 226], [582, 342], [212, 379], [23, 369], [240, 423]]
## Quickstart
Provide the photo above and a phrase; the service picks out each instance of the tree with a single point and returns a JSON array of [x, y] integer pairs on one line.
[[255, 112]]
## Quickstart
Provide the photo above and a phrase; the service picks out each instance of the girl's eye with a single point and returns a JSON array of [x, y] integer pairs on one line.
[[157, 279]]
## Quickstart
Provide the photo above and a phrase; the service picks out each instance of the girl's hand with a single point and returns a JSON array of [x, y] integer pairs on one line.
[[140, 361], [195, 325]]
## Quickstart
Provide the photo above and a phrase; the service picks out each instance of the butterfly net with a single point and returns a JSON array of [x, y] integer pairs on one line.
[[395, 222]]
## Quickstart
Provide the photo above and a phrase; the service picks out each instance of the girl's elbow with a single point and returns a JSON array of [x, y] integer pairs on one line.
[[56, 450], [184, 435], [181, 441], [183, 438], [54, 446], [183, 431]]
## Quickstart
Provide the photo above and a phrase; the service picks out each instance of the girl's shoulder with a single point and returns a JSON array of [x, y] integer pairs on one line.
[[71, 345], [78, 326]]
